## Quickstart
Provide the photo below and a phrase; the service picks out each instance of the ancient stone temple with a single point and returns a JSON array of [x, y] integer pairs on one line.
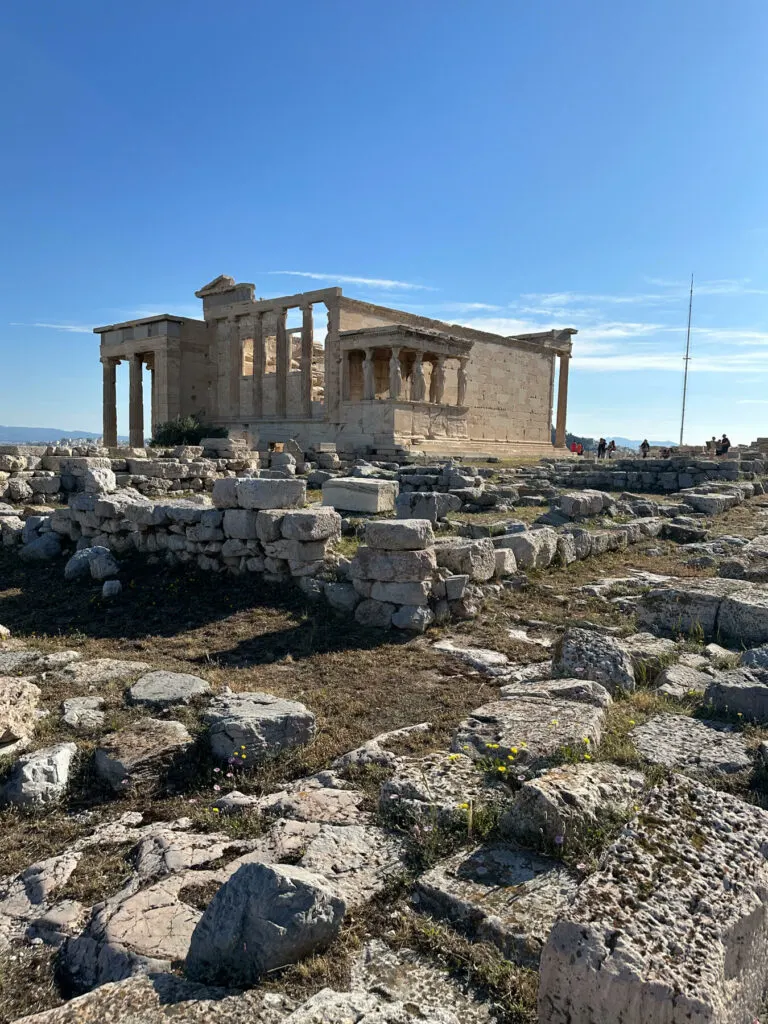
[[362, 376]]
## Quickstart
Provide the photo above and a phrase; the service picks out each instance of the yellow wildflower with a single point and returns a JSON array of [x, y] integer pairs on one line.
[[501, 768]]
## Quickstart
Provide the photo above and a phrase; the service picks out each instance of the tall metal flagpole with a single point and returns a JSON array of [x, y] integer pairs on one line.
[[686, 361]]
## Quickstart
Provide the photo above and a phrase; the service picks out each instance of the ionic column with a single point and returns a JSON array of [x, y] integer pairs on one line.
[[418, 383], [307, 346], [282, 365], [395, 375], [136, 404], [235, 367], [562, 400], [259, 362], [461, 383], [369, 380], [109, 402], [437, 381]]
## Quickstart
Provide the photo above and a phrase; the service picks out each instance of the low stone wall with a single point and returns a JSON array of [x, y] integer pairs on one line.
[[658, 476], [36, 475]]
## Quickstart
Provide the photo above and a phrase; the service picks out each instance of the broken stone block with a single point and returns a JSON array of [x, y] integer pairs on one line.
[[103, 670], [492, 663], [534, 549], [475, 558], [374, 614], [499, 894], [689, 744], [357, 861], [39, 778], [672, 926], [588, 654], [264, 917], [399, 535], [741, 691], [437, 788], [262, 494], [258, 725], [353, 494], [506, 563], [531, 729], [392, 566], [138, 754], [549, 807], [318, 524], [648, 654], [755, 657], [19, 698], [165, 689], [558, 689], [341, 596], [414, 618], [679, 681], [42, 549]]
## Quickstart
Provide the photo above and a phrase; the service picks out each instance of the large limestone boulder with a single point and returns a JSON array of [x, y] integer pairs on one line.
[[587, 654], [499, 894], [392, 566], [312, 525], [259, 493], [570, 797], [673, 926], [264, 917], [679, 681], [41, 777], [396, 535], [83, 714], [19, 698], [534, 549], [140, 753], [258, 725], [691, 745], [166, 689], [44, 548], [426, 505], [530, 729], [649, 654]]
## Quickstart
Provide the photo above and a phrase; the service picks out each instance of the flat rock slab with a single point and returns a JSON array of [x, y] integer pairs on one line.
[[140, 752], [535, 727], [585, 690], [546, 810], [439, 786], [499, 894], [149, 1000], [357, 860], [411, 978], [673, 926], [84, 714], [490, 663], [363, 1007], [104, 670], [258, 725], [166, 689], [680, 681], [690, 744], [322, 798]]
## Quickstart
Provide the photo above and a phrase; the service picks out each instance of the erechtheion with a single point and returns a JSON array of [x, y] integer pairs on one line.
[[382, 381]]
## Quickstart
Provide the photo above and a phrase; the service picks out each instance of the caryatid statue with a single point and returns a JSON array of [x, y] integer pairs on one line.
[[369, 384], [462, 382], [437, 381], [418, 384], [395, 375]]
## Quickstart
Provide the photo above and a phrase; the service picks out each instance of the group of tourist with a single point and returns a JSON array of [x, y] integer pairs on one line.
[[603, 447], [719, 447]]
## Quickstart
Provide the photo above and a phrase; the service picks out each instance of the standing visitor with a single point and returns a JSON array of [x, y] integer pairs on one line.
[[601, 448], [611, 449], [645, 448]]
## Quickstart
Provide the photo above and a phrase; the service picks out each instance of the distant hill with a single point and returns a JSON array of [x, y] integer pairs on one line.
[[30, 435], [624, 442]]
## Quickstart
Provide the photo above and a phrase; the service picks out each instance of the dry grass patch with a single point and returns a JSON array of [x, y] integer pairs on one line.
[[27, 982]]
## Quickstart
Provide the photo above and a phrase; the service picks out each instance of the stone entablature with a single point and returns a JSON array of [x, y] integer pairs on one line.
[[243, 367]]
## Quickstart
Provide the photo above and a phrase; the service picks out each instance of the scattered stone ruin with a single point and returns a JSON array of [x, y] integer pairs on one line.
[[382, 381]]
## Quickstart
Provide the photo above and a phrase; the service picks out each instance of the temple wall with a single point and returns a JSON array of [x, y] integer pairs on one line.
[[509, 395]]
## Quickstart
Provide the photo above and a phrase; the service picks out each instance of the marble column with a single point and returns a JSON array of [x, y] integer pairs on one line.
[[369, 380], [562, 400], [461, 383], [259, 364], [136, 403], [235, 369], [282, 365], [307, 346], [437, 381], [395, 375], [333, 364], [418, 383], [109, 402]]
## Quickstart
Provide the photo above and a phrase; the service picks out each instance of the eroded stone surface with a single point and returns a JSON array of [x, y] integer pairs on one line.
[[357, 860], [140, 752], [588, 654], [499, 894], [258, 724], [690, 744], [323, 798], [104, 670], [529, 728], [435, 788], [166, 689], [39, 778], [673, 925], [19, 698], [547, 808]]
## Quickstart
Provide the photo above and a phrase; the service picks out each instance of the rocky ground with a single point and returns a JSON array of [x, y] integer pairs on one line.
[[563, 821]]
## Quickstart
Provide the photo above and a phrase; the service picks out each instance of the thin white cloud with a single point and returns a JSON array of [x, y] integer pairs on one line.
[[371, 282], [752, 401], [72, 328]]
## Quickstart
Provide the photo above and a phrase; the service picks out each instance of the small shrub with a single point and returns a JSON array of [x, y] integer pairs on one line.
[[184, 430]]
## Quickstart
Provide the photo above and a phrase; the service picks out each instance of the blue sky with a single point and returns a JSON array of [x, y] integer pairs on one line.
[[511, 165]]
